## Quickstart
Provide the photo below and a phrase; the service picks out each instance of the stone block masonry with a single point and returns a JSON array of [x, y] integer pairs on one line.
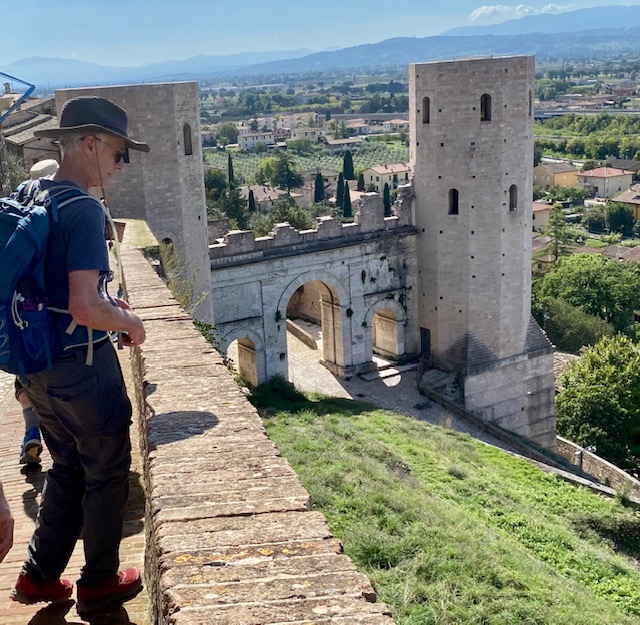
[[230, 534]]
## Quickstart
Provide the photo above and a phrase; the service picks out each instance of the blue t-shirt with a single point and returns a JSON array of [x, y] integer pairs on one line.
[[76, 242]]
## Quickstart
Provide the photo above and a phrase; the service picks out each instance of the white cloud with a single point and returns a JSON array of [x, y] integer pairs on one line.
[[501, 12]]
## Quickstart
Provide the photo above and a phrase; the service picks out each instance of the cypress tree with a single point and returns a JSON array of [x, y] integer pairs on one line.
[[252, 202], [230, 172], [360, 181], [347, 213], [318, 190], [347, 166], [386, 199], [340, 190]]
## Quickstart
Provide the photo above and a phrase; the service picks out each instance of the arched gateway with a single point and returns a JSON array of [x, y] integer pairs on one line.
[[339, 277]]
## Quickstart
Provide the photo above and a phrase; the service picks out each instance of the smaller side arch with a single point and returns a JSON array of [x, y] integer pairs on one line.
[[401, 320], [252, 365]]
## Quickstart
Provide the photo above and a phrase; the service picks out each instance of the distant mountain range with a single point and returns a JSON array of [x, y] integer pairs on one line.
[[596, 18], [587, 33]]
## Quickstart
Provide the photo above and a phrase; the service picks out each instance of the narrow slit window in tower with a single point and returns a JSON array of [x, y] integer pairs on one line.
[[530, 103], [485, 108], [188, 145], [513, 198], [426, 110], [453, 201]]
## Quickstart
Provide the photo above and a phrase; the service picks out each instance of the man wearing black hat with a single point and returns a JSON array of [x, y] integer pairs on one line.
[[82, 401]]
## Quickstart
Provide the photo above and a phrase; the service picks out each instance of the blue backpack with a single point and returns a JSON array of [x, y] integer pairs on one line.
[[27, 338]]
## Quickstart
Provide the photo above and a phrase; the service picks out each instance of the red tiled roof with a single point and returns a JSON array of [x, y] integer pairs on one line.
[[606, 172]]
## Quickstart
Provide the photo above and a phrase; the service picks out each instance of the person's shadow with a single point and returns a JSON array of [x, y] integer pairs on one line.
[[34, 475], [56, 614]]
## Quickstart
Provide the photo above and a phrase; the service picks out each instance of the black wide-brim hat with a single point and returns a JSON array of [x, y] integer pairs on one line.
[[93, 114]]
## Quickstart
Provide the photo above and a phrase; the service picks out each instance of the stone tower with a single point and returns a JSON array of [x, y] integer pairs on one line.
[[472, 151], [166, 186]]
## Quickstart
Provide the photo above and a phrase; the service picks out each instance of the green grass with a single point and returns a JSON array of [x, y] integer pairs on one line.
[[595, 243], [451, 530]]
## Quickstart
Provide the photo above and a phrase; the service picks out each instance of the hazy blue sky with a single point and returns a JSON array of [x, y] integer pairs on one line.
[[136, 32]]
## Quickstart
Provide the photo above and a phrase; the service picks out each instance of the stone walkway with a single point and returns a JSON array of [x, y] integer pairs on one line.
[[23, 487], [399, 393]]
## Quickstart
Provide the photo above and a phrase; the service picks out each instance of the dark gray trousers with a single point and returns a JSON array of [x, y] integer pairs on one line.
[[84, 418]]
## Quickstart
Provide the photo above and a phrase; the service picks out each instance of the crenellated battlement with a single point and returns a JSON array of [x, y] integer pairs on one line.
[[369, 218]]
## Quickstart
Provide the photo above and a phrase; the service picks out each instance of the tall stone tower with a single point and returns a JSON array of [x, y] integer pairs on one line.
[[166, 186], [472, 151]]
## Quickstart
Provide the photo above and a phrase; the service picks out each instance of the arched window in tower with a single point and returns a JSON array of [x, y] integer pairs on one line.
[[426, 110], [188, 145], [454, 197], [513, 198], [485, 108], [530, 103]]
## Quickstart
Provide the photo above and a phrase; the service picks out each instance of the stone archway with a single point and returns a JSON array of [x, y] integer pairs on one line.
[[386, 322], [330, 311], [251, 354]]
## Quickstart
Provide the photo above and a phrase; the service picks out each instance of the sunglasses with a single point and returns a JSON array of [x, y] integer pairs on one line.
[[119, 155]]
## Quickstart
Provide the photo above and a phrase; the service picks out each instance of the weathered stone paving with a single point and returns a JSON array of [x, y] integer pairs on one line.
[[231, 538]]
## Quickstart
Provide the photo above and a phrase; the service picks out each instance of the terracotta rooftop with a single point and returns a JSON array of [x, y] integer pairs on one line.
[[630, 196], [393, 168], [558, 168], [605, 172]]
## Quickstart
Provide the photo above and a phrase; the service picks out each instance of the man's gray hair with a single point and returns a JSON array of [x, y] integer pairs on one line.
[[71, 142]]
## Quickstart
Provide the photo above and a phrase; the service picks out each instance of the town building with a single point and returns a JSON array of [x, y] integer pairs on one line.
[[547, 175], [630, 198], [394, 175], [250, 140], [605, 182]]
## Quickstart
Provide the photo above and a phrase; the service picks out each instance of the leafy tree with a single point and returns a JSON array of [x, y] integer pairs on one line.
[[347, 211], [318, 189], [302, 147], [340, 190], [12, 173], [589, 165], [595, 219], [214, 183], [235, 208], [537, 154], [230, 171], [360, 182], [620, 218], [558, 229], [347, 166], [386, 200], [252, 202], [598, 285], [227, 133], [279, 172], [570, 327], [600, 401], [284, 175], [282, 211]]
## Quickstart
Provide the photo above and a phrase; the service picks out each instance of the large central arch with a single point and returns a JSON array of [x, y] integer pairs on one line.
[[334, 313]]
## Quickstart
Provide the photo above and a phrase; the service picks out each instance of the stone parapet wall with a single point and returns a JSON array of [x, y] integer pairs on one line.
[[599, 468], [230, 536], [369, 219]]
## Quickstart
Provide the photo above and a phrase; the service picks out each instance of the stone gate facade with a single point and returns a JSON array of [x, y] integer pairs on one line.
[[357, 280]]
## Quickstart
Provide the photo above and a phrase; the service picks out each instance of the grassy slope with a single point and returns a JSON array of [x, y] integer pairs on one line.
[[453, 531]]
